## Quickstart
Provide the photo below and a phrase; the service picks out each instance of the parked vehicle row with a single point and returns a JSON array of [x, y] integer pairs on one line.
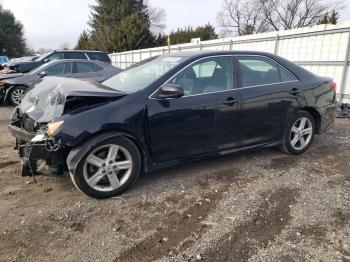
[[168, 110], [14, 86], [28, 65]]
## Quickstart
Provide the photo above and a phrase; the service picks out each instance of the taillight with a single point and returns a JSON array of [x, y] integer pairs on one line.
[[334, 86]]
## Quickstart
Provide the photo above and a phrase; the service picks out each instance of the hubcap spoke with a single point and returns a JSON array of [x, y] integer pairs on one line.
[[94, 160], [124, 165], [95, 178], [113, 180], [302, 142], [307, 131], [112, 152], [294, 130], [302, 124], [295, 140]]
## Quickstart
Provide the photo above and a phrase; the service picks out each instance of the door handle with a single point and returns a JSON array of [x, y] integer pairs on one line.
[[230, 101], [294, 91]]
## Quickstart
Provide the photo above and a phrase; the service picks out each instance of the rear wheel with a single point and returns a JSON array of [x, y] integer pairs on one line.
[[108, 169], [16, 95], [299, 134]]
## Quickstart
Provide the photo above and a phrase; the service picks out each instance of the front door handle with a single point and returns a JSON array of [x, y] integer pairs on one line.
[[294, 91]]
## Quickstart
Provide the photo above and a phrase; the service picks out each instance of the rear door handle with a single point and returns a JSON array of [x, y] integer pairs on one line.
[[230, 101], [294, 92]]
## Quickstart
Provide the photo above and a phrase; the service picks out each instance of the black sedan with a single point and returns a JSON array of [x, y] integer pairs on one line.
[[169, 110], [14, 86]]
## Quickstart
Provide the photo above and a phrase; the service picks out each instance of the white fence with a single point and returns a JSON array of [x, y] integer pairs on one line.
[[322, 49]]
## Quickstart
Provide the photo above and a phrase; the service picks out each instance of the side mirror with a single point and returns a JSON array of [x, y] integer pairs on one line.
[[171, 91], [43, 73]]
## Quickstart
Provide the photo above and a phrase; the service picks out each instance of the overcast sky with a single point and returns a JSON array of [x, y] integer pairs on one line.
[[50, 23]]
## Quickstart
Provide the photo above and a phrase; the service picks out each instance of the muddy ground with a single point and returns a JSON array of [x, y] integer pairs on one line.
[[253, 206]]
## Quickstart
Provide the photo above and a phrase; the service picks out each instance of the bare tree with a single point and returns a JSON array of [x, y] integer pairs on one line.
[[241, 17], [157, 17], [256, 16], [288, 14]]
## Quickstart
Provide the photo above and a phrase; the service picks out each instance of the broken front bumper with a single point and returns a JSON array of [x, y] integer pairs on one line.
[[21, 134], [34, 147]]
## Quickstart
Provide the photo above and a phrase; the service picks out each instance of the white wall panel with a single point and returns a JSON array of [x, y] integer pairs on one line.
[[321, 49]]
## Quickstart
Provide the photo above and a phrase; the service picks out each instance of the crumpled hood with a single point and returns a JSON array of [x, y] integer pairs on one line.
[[46, 100]]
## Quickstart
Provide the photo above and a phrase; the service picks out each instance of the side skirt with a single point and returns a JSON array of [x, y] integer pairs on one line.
[[173, 163]]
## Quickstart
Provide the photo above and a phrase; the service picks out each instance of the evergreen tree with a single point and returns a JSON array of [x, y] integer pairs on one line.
[[118, 25], [83, 41], [12, 42], [329, 18], [132, 33]]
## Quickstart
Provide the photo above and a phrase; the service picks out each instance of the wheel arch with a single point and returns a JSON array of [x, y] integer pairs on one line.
[[77, 152], [316, 115]]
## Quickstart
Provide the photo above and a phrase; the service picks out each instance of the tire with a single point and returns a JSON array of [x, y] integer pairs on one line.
[[108, 169], [16, 95], [299, 133]]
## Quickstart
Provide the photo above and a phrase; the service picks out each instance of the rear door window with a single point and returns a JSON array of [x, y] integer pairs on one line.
[[259, 70], [86, 67]]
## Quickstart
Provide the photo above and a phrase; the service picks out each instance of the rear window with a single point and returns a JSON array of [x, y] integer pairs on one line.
[[99, 56]]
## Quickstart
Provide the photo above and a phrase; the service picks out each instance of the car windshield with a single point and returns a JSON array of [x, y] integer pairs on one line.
[[42, 57], [141, 75]]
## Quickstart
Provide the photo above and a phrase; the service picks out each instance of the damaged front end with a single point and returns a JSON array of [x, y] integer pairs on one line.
[[36, 122], [34, 145]]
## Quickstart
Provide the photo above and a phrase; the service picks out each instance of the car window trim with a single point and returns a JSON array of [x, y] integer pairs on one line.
[[199, 59], [236, 56]]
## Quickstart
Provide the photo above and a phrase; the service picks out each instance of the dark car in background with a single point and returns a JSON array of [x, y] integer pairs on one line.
[[26, 66], [169, 110], [14, 87]]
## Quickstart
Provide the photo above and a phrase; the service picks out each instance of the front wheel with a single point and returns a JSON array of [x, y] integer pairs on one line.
[[108, 169], [299, 133], [16, 95]]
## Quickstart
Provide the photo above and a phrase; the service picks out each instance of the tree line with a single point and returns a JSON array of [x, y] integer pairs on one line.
[[123, 25]]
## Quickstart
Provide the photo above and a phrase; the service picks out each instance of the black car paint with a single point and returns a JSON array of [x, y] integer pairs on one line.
[[172, 131]]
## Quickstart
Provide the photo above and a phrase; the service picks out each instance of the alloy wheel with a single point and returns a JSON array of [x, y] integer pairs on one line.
[[107, 167], [301, 133], [17, 95]]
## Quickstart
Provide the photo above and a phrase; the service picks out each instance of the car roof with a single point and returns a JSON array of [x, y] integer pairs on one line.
[[76, 60], [194, 54], [85, 51]]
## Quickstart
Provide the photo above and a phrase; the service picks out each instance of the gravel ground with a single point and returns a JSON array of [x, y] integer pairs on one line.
[[254, 206]]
